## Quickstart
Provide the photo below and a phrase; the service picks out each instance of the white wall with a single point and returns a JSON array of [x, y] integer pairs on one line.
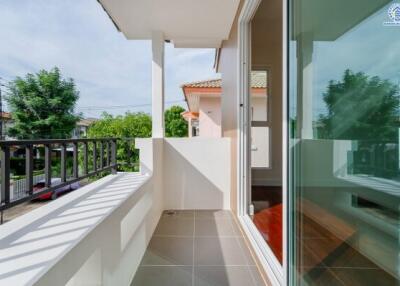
[[197, 173], [115, 248], [96, 235], [193, 173], [228, 67], [210, 117]]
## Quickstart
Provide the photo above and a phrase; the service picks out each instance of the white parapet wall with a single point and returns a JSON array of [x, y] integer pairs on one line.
[[93, 236], [197, 173], [194, 173]]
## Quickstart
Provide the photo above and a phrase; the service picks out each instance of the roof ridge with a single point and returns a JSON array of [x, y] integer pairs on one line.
[[200, 82], [257, 81]]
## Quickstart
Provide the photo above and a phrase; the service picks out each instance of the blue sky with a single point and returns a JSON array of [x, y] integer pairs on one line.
[[79, 38]]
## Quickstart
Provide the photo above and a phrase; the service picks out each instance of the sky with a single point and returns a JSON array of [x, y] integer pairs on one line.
[[111, 73]]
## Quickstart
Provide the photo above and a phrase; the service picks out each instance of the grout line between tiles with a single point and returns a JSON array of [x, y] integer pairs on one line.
[[173, 236], [164, 265]]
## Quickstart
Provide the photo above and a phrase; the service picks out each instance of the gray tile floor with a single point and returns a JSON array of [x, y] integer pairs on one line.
[[197, 248]]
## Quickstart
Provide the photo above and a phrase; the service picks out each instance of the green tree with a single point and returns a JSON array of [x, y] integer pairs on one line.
[[42, 105], [175, 124], [361, 107], [127, 127]]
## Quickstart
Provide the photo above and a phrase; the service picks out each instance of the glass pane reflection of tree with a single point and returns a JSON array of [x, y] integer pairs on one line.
[[344, 127]]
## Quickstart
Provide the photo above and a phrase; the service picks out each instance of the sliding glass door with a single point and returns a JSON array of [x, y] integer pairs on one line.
[[344, 121]]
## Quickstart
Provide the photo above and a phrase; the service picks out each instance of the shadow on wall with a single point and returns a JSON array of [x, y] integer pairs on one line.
[[197, 173]]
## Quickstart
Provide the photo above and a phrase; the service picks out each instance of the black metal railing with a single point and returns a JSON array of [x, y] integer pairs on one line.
[[104, 158]]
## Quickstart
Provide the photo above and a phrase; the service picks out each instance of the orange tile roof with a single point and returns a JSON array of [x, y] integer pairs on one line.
[[5, 115], [258, 80], [190, 115]]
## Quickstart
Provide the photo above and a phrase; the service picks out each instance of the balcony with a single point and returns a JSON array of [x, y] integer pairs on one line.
[[119, 230], [197, 247]]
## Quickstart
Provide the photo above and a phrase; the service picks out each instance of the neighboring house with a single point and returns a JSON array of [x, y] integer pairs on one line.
[[80, 130], [204, 116], [82, 127], [6, 123], [204, 103]]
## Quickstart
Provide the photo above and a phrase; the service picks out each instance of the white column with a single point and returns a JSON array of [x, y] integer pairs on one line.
[[190, 128], [157, 85], [305, 85]]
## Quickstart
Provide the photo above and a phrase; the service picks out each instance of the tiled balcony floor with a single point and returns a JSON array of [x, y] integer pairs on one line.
[[197, 248]]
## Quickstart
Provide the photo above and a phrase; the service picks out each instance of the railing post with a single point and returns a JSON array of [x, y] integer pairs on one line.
[[114, 156], [5, 174], [75, 167], [101, 154], [108, 153], [47, 165], [94, 156], [85, 158], [29, 168], [63, 162]]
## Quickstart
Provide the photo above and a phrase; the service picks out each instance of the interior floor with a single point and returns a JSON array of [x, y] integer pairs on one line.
[[267, 202], [326, 259], [197, 247], [324, 243]]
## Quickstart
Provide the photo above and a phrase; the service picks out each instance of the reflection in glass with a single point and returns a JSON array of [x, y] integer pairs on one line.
[[344, 125]]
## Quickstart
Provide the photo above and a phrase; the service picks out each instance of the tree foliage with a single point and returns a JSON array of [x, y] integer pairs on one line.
[[175, 124], [130, 125], [361, 108], [135, 125], [42, 105], [126, 127]]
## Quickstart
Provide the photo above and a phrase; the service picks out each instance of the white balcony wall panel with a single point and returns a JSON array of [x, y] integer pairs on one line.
[[197, 173]]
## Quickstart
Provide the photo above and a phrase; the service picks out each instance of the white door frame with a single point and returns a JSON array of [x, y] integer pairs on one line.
[[277, 273]]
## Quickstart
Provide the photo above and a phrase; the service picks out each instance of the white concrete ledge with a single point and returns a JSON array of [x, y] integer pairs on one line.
[[33, 244]]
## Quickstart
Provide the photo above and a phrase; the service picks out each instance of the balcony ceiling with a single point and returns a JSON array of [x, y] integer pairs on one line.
[[186, 23], [327, 20]]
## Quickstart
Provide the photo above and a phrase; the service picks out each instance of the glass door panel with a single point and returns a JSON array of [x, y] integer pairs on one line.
[[266, 127], [344, 76]]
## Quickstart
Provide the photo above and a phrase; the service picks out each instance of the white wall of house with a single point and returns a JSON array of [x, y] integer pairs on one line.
[[228, 67], [210, 117], [210, 126]]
